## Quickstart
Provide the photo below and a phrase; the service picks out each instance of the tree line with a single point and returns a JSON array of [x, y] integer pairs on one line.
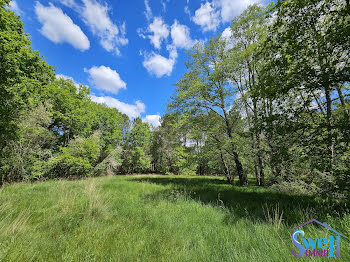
[[268, 99], [272, 97]]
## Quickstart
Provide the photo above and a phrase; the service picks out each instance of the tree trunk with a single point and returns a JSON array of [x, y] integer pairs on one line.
[[329, 127], [243, 180], [256, 171], [229, 178], [245, 103], [342, 101], [256, 165], [242, 177], [258, 147], [200, 170], [260, 161], [346, 115], [318, 103], [274, 163]]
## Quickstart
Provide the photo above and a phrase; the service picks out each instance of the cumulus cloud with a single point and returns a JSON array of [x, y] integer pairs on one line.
[[180, 35], [59, 27], [207, 17], [96, 17], [131, 110], [211, 14], [152, 120], [104, 78], [159, 31], [159, 65], [231, 8]]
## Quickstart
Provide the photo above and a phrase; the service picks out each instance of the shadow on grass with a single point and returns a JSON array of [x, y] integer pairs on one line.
[[252, 202]]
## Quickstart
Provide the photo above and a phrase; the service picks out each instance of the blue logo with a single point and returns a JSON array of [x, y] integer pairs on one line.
[[316, 247]]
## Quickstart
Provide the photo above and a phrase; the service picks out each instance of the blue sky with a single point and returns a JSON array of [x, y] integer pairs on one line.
[[130, 53]]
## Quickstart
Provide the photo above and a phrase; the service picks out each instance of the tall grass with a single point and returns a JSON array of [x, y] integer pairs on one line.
[[157, 218]]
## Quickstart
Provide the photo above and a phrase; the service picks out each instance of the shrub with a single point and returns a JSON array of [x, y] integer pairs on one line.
[[26, 156], [77, 159]]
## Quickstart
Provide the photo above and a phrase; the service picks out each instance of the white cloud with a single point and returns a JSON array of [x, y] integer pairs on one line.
[[159, 31], [95, 15], [104, 78], [210, 14], [131, 110], [231, 8], [140, 32], [160, 65], [187, 11], [61, 76], [181, 35], [148, 12], [69, 3], [226, 36], [152, 120], [14, 7], [59, 28], [207, 17], [163, 6]]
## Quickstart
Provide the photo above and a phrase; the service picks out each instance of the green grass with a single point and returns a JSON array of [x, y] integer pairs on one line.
[[157, 218]]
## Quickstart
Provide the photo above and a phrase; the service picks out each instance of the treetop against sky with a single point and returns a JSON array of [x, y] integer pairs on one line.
[[129, 53]]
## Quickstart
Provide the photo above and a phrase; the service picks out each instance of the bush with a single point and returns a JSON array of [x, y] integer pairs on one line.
[[77, 159], [26, 156]]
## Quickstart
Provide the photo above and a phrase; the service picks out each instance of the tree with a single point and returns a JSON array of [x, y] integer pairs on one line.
[[23, 73], [110, 123], [73, 112], [136, 156], [248, 33], [308, 49], [26, 157], [205, 88], [77, 158]]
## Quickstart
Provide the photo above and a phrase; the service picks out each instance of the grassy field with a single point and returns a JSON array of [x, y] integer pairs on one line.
[[157, 218]]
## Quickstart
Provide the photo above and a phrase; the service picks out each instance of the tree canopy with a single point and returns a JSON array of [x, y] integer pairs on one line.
[[270, 101]]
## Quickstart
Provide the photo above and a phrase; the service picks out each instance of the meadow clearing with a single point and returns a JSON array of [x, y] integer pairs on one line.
[[157, 218]]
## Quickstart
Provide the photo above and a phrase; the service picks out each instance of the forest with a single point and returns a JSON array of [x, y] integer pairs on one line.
[[255, 141], [269, 101]]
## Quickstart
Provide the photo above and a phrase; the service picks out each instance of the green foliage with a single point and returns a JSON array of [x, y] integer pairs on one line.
[[270, 101], [67, 136], [136, 156], [76, 115], [111, 124], [72, 110], [173, 149], [304, 88], [204, 89], [26, 156], [76, 159], [23, 73], [183, 163]]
